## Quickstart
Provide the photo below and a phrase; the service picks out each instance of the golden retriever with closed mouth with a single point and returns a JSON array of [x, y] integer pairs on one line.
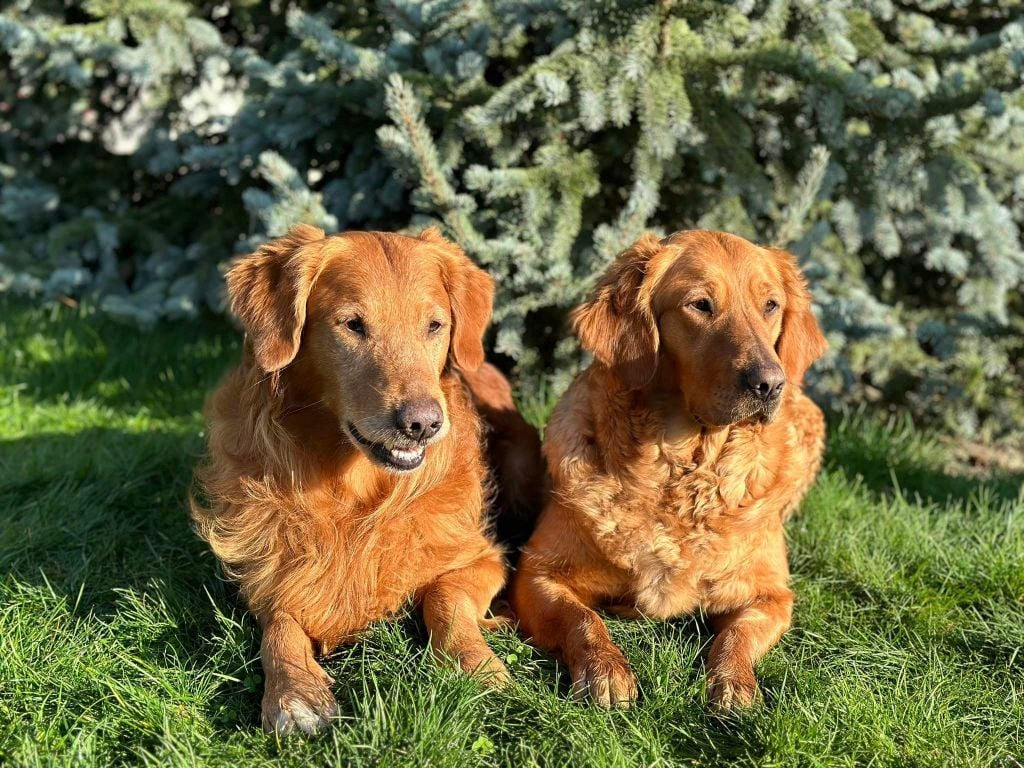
[[675, 459], [346, 472]]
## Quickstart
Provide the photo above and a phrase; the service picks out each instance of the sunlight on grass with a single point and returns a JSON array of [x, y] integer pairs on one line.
[[119, 643]]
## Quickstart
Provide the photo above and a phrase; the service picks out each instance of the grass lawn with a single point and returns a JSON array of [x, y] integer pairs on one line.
[[119, 644]]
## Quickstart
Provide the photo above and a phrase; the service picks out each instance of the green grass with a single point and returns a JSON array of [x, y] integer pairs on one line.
[[119, 644]]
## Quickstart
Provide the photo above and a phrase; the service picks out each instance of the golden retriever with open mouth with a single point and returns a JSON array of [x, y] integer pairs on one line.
[[675, 458], [346, 470]]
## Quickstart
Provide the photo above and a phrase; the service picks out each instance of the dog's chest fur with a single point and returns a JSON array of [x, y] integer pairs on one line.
[[371, 562], [692, 519]]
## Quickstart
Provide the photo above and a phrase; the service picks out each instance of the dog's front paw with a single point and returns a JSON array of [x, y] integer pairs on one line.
[[605, 677], [306, 704], [732, 692], [483, 664]]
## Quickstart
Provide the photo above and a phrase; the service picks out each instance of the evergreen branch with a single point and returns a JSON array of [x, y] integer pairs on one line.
[[968, 16], [516, 96], [954, 52], [354, 60], [631, 221], [886, 102], [410, 143], [808, 184]]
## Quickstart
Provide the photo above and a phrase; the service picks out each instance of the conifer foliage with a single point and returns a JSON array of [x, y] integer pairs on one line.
[[143, 144]]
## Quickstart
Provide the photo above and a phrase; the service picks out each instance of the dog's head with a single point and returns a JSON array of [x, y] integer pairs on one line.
[[372, 321], [728, 321]]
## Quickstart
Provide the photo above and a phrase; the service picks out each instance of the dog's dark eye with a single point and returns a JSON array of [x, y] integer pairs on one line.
[[704, 306], [771, 306], [355, 324], [434, 327]]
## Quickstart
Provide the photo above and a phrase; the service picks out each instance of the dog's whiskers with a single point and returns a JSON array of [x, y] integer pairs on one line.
[[290, 411]]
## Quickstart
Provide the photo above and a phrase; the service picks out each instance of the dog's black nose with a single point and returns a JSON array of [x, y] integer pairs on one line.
[[765, 380], [419, 419]]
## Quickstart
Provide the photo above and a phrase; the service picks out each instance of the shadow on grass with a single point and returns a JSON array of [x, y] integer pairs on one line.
[[892, 457], [72, 355], [99, 510], [100, 519]]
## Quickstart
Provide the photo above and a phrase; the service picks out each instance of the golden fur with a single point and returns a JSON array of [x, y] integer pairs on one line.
[[323, 535], [673, 465]]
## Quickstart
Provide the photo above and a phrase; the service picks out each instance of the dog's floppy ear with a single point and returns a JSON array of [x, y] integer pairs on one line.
[[801, 341], [617, 323], [471, 292], [268, 291]]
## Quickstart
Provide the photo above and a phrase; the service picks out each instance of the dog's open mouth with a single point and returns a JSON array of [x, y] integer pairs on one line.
[[395, 459]]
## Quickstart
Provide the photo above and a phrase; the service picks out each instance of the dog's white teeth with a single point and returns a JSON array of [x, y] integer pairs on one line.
[[406, 455]]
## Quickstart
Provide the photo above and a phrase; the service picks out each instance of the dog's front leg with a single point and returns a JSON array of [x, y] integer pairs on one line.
[[297, 691], [744, 636], [454, 605], [559, 620]]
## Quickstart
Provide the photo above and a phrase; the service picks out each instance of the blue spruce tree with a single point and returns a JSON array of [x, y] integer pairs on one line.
[[142, 145]]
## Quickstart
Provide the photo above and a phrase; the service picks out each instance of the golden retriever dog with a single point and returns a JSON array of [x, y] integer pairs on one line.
[[347, 472], [675, 458]]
